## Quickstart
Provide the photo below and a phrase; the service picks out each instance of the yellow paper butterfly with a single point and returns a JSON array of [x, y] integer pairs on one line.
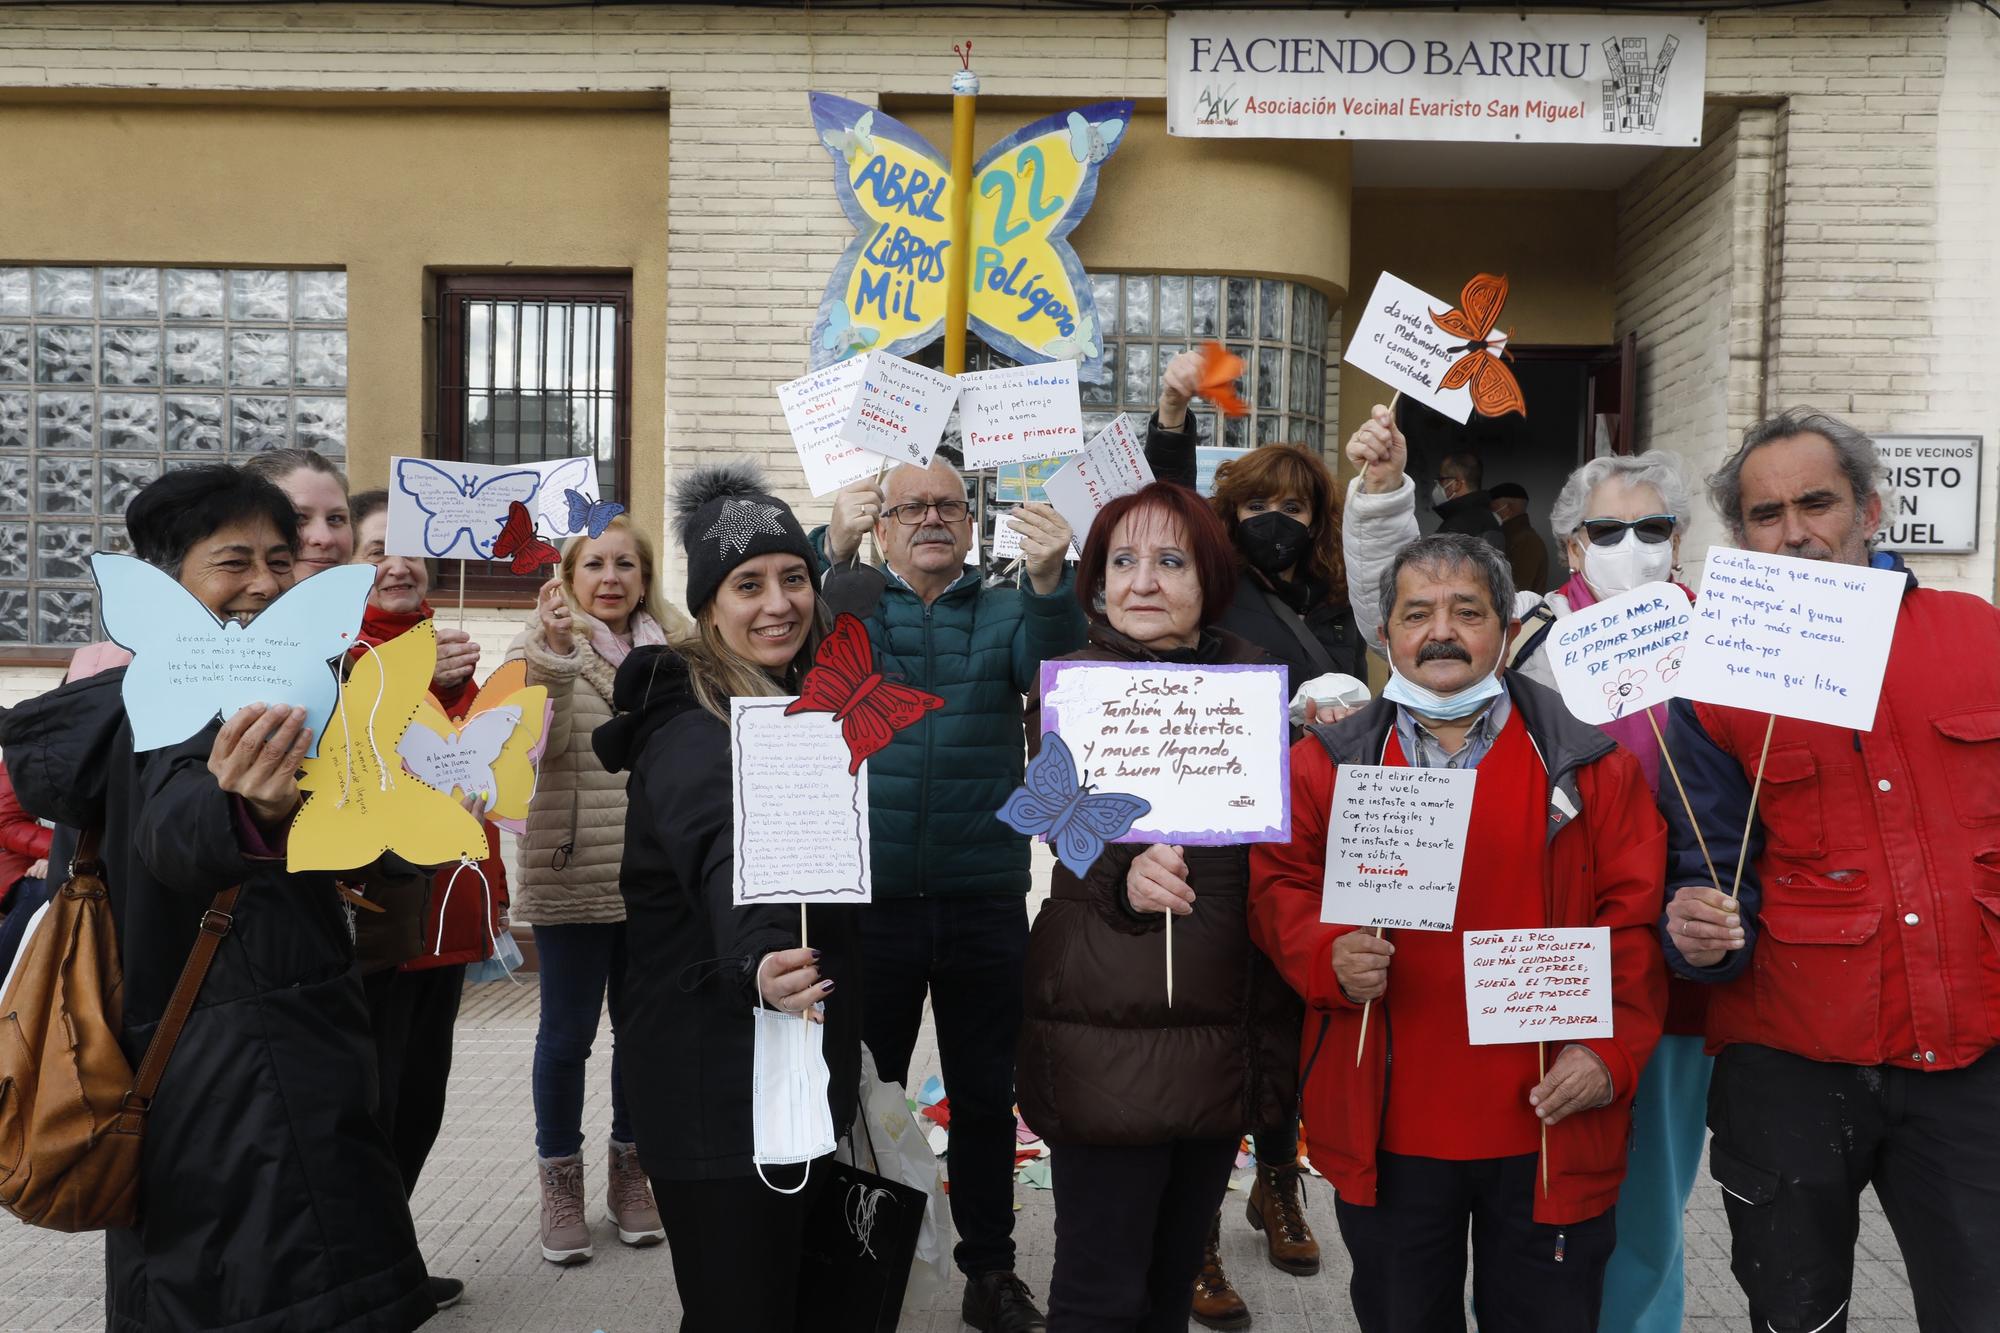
[[495, 745]]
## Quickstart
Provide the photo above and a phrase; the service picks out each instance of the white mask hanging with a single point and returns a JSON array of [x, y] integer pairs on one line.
[[791, 1120]]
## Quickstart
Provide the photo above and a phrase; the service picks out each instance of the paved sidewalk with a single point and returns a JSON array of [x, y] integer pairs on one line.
[[476, 1218]]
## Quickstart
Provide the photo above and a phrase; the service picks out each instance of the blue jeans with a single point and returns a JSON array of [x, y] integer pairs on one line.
[[1644, 1289], [577, 962]]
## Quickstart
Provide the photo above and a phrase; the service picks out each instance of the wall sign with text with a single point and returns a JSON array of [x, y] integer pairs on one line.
[[1935, 479]]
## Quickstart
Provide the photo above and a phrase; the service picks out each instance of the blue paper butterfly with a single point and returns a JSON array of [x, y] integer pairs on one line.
[[588, 515], [463, 505], [1092, 141], [843, 335], [1056, 806]]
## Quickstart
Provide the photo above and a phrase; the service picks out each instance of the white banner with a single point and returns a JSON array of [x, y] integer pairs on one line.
[[1539, 78]]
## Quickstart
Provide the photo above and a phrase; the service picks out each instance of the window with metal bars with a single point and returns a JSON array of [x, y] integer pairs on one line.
[[534, 367]]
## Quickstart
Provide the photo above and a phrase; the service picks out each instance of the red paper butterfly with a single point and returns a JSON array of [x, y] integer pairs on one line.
[[1220, 369], [843, 681], [517, 540], [1495, 391]]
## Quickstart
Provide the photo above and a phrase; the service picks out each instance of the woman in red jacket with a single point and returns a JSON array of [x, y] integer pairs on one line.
[[24, 868]]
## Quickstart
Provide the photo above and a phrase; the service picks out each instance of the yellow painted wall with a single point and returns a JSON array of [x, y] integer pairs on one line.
[[1555, 247], [385, 193], [1269, 207]]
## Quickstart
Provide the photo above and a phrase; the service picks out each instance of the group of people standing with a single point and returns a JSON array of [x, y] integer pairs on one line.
[[1850, 982]]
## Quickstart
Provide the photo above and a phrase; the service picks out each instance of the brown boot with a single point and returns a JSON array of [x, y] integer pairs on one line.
[[1216, 1304], [1277, 1208]]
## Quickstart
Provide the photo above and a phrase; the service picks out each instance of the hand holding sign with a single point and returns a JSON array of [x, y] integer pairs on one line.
[[1449, 359], [1017, 414]]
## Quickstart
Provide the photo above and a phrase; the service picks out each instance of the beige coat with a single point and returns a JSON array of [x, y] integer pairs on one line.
[[576, 801]]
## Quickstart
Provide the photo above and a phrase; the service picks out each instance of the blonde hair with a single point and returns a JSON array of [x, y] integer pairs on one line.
[[664, 612], [718, 673]]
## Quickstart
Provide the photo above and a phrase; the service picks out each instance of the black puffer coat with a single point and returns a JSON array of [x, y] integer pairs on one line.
[[1103, 1059], [689, 988], [268, 1201]]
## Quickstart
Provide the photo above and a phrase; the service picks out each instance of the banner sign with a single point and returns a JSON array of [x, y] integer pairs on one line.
[[1512, 78], [1935, 508], [1030, 297]]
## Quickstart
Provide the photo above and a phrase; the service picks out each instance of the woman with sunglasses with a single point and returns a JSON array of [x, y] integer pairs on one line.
[[1620, 519]]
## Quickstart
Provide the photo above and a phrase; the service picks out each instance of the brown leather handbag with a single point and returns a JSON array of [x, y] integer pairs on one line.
[[72, 1113]]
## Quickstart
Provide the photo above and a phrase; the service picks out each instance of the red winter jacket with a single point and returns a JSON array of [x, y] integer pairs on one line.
[[1603, 859], [1871, 898], [24, 839]]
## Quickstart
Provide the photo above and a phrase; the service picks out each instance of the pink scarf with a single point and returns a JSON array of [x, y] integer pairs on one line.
[[644, 631], [1633, 731]]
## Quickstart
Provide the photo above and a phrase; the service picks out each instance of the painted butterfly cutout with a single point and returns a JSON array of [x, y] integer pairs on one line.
[[591, 516], [843, 681], [461, 506], [519, 546], [1220, 369], [188, 667], [551, 505], [1495, 391], [519, 767], [1028, 191], [1055, 805], [463, 758], [1083, 345]]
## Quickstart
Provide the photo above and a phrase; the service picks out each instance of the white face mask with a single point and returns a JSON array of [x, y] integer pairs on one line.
[[1611, 570], [789, 1115], [1439, 494]]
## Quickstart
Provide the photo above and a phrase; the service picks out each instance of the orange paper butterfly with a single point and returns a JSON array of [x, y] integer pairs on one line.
[[1495, 391], [843, 681], [517, 540], [1220, 369]]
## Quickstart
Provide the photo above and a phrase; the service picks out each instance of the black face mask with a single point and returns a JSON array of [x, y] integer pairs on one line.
[[1272, 542]]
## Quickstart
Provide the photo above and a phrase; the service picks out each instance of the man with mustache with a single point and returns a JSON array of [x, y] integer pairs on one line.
[[1856, 973], [1563, 833], [950, 914]]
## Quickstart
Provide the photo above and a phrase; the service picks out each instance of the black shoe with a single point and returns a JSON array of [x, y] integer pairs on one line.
[[1000, 1303], [445, 1291]]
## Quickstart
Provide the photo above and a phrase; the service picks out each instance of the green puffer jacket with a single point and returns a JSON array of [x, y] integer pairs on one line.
[[933, 793]]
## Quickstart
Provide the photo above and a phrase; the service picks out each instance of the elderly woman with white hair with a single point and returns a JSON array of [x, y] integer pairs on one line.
[[1620, 519]]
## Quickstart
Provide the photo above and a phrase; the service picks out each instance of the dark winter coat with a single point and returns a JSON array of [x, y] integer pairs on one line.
[[1250, 615], [1103, 1059], [1472, 514], [268, 1201], [687, 1031]]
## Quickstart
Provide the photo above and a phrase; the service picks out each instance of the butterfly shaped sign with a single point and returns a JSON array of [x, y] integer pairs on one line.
[[491, 753], [445, 509], [1057, 806], [1450, 358], [188, 667], [518, 545], [1030, 297], [520, 762], [843, 681]]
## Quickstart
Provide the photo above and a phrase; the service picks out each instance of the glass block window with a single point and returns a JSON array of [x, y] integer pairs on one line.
[[111, 374]]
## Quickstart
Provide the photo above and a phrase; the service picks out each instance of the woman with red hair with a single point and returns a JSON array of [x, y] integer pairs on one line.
[[1143, 1102]]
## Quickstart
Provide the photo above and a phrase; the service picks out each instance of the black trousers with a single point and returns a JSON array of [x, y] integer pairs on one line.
[[1130, 1224], [1409, 1251], [413, 1014], [736, 1245], [970, 955], [1796, 1141]]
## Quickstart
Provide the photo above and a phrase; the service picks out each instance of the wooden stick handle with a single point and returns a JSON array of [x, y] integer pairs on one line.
[[1700, 841], [1750, 819], [1170, 960], [461, 594], [804, 1012], [1361, 1043], [1542, 1072]]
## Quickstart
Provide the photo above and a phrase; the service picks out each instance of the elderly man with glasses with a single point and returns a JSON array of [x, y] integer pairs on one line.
[[951, 881]]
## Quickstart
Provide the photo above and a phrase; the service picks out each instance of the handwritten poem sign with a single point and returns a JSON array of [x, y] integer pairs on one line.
[[1112, 464], [1007, 540], [1622, 655], [1017, 414], [900, 410], [1397, 846], [1209, 746], [1537, 985], [1799, 638], [1396, 342], [801, 819], [817, 405]]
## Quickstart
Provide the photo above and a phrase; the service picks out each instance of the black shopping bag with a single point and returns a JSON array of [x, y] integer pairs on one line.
[[860, 1236]]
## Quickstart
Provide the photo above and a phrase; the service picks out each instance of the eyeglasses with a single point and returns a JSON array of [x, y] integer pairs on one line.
[[911, 514], [1652, 529]]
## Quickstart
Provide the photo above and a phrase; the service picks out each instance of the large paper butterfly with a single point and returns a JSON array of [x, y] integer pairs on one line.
[[1495, 391], [1220, 369], [843, 681], [1030, 295], [515, 769], [459, 759], [460, 503], [519, 546], [188, 667], [589, 515], [551, 506], [1055, 805]]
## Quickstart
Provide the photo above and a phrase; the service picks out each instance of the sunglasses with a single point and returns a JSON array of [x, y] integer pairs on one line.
[[1652, 529]]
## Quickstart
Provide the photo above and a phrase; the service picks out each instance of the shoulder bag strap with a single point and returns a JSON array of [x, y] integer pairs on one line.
[[1315, 650], [215, 924], [1535, 627]]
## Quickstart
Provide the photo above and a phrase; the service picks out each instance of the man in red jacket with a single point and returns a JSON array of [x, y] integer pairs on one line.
[[1856, 976], [1563, 833]]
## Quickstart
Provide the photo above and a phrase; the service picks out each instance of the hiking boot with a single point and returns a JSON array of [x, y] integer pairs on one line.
[[1216, 1304], [1277, 1208], [1000, 1303], [629, 1198], [444, 1292], [565, 1235]]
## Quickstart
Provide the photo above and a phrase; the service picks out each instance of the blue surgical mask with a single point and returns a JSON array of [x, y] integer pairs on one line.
[[1444, 707]]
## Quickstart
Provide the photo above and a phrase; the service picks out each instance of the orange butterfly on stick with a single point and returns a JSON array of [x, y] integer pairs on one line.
[[1220, 369], [518, 544], [843, 681], [1494, 389]]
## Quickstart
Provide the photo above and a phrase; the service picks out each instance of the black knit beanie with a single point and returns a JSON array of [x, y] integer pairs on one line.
[[726, 516]]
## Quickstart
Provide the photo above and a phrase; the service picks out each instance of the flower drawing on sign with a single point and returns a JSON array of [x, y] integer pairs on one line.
[[1669, 666], [1618, 693]]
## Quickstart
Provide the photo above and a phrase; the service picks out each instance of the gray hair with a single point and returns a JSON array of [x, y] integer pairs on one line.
[[1656, 468], [1854, 449], [1452, 550], [937, 461]]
